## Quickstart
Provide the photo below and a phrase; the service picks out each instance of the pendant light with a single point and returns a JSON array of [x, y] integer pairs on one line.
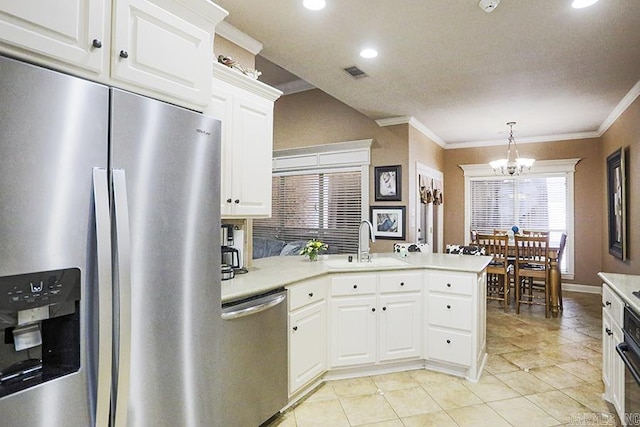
[[512, 165]]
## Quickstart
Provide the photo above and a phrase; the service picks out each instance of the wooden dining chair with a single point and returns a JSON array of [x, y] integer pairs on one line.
[[563, 243], [534, 233], [499, 231], [498, 280], [532, 263]]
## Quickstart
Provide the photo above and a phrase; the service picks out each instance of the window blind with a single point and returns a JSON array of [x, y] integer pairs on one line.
[[319, 205], [530, 203]]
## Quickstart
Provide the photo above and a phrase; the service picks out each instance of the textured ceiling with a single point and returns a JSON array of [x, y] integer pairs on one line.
[[463, 73]]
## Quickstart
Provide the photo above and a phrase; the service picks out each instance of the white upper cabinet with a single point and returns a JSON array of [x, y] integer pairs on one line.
[[158, 48], [162, 50], [70, 32], [245, 107]]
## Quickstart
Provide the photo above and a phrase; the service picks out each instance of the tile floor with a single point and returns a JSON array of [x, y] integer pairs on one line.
[[540, 372]]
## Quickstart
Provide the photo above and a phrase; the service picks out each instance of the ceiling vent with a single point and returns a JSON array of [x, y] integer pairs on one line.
[[355, 72]]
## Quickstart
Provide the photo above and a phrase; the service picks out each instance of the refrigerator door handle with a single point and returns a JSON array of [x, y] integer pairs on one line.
[[123, 271], [105, 295]]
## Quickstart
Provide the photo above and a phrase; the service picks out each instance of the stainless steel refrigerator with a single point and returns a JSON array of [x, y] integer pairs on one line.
[[109, 255]]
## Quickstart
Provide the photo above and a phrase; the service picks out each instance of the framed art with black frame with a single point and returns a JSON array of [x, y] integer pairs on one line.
[[388, 222], [617, 204], [388, 183]]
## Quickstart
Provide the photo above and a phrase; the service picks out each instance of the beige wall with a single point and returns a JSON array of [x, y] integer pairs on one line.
[[588, 195], [625, 132], [314, 118]]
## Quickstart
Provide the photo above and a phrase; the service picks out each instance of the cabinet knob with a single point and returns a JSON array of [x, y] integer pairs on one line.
[[384, 308], [355, 286], [236, 201], [607, 303], [448, 307], [229, 200], [124, 54], [401, 283], [448, 341], [295, 328], [373, 309], [608, 331], [96, 43], [448, 285], [310, 294]]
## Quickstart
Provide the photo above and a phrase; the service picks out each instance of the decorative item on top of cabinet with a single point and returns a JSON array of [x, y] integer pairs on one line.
[[160, 49], [245, 107]]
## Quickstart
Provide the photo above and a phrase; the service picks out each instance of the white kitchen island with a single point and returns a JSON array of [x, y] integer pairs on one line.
[[396, 313]]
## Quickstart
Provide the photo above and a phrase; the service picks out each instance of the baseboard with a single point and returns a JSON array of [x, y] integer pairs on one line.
[[587, 289]]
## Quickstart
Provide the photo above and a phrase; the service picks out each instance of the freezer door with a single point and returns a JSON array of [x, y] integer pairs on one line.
[[168, 159], [53, 132]]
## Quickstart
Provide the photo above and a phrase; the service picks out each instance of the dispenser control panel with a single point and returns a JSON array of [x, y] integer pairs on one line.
[[30, 290]]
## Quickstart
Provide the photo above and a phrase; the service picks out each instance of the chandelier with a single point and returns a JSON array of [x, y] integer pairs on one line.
[[511, 165]]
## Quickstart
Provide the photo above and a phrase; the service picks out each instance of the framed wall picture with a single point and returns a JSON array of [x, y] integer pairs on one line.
[[617, 204], [388, 222], [388, 183]]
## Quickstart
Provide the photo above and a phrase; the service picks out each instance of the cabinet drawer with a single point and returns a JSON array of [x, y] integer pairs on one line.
[[306, 293], [449, 311], [454, 283], [353, 284], [448, 346], [400, 282], [612, 304]]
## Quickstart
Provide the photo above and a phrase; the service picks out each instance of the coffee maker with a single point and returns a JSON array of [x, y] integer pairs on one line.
[[232, 239], [39, 315]]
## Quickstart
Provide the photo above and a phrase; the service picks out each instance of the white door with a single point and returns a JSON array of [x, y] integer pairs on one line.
[[353, 331], [307, 345], [400, 326], [63, 30]]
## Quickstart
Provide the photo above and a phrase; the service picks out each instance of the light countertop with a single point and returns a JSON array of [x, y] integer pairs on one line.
[[624, 285], [275, 272]]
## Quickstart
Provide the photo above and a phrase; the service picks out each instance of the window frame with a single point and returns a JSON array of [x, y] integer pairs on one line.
[[541, 169]]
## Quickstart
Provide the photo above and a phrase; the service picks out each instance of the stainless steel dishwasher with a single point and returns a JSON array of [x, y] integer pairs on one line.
[[253, 362]]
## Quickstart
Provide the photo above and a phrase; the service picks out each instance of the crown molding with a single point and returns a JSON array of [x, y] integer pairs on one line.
[[620, 108], [528, 140], [234, 35], [392, 121], [295, 86]]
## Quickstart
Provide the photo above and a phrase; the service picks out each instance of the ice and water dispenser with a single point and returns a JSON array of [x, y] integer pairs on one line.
[[40, 321]]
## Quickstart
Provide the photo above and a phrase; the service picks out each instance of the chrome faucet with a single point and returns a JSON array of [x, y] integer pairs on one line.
[[363, 244]]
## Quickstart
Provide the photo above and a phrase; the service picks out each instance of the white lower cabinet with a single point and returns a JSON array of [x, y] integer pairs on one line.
[[613, 369], [307, 333], [455, 322], [375, 317]]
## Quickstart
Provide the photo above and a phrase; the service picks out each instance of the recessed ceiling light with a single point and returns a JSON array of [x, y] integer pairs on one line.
[[369, 53], [314, 4], [579, 4]]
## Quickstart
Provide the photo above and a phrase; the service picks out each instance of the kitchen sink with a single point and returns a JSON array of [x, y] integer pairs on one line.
[[339, 264]]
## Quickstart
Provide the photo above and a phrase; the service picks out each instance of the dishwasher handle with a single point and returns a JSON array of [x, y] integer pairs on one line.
[[253, 307]]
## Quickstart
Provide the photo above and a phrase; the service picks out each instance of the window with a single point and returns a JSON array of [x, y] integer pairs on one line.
[[541, 200], [320, 205], [319, 192]]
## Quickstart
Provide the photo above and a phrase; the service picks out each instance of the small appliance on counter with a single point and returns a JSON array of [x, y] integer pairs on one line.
[[232, 239], [226, 272]]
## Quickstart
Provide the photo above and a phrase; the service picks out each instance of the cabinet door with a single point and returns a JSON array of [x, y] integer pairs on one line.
[[353, 331], [252, 154], [400, 326], [617, 372], [61, 30], [221, 108], [156, 49], [307, 345], [608, 352]]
